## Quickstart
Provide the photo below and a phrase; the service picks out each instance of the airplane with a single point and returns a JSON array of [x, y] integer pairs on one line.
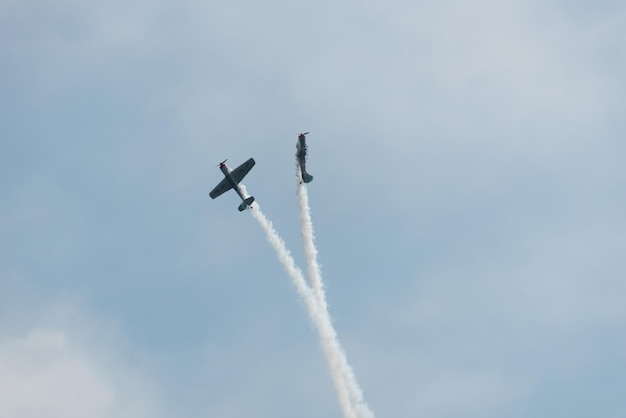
[[301, 149], [231, 181]]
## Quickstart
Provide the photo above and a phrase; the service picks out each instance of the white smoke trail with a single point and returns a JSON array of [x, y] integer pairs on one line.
[[310, 251], [324, 327], [315, 276]]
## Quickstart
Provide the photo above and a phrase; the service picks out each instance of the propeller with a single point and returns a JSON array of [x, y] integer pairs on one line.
[[222, 163]]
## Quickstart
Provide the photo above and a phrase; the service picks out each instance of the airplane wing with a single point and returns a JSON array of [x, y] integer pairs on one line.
[[222, 186], [240, 172]]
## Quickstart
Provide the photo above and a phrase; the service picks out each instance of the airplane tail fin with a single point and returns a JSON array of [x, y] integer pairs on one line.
[[246, 203]]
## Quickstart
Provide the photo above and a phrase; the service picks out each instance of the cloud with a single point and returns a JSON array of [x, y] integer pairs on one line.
[[60, 363]]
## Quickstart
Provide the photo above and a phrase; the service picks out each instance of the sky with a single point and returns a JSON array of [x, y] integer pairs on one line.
[[468, 204]]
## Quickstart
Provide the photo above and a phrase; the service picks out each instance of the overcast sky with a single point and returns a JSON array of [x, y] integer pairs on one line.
[[468, 202]]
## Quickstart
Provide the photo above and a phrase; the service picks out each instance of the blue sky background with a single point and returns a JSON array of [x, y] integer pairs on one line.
[[468, 203]]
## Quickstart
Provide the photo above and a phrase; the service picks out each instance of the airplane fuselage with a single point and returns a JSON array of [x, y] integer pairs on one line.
[[301, 150], [227, 173]]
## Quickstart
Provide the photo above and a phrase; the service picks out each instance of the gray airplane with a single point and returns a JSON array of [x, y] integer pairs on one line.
[[301, 149], [231, 181]]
